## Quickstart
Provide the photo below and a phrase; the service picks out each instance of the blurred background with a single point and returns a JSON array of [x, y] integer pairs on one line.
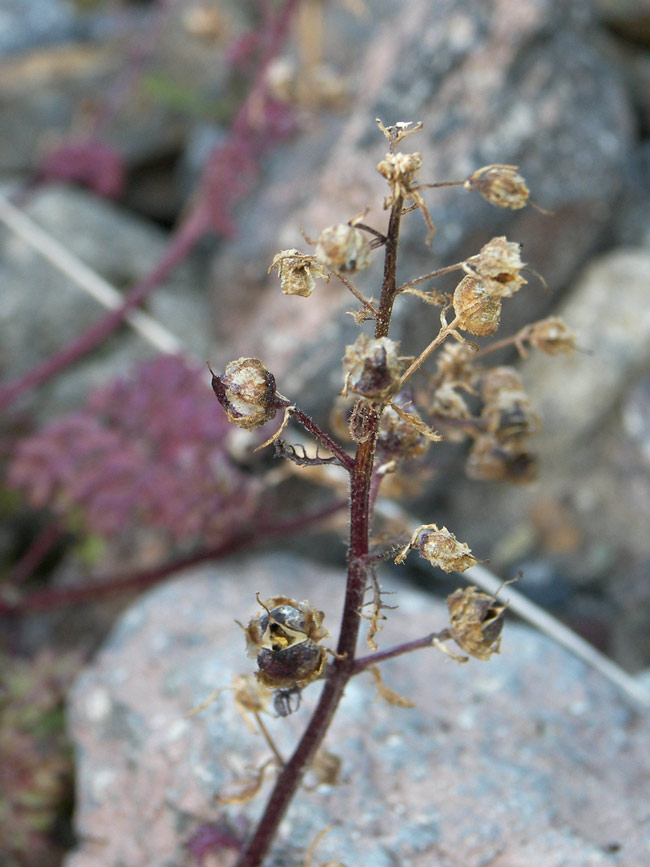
[[156, 155]]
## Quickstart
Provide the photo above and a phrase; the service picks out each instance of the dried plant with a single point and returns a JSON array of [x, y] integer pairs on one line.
[[392, 417]]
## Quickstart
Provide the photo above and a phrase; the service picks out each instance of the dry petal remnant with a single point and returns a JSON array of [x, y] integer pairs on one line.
[[297, 272], [476, 622], [343, 248], [247, 393]]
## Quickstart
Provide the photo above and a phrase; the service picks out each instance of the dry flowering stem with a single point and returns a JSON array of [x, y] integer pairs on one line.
[[390, 424]]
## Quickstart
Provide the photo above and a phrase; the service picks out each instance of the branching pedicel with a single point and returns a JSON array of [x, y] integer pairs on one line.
[[390, 421]]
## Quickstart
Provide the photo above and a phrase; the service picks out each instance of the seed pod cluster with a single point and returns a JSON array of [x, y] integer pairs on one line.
[[476, 622], [284, 640], [247, 393], [343, 248], [372, 368]]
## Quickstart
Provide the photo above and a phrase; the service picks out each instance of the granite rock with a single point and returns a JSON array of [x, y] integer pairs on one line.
[[529, 758]]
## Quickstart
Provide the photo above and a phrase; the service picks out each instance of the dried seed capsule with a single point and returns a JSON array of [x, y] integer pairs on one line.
[[502, 186], [372, 367], [246, 391], [507, 409], [476, 622], [441, 548], [552, 336], [343, 248], [498, 265], [297, 272], [284, 639], [478, 310], [491, 460], [398, 439], [297, 665]]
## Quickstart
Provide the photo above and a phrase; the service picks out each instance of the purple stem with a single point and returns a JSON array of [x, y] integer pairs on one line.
[[258, 530]]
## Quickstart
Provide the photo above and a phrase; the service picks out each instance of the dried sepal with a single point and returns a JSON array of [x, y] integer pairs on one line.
[[399, 130], [373, 368], [500, 185], [478, 311], [297, 272], [440, 547], [343, 248], [476, 622], [376, 605], [361, 421], [388, 695], [243, 791], [414, 420], [498, 266], [551, 336], [247, 393], [491, 460]]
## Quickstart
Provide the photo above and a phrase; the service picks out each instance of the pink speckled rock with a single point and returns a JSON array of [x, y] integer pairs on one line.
[[528, 759]]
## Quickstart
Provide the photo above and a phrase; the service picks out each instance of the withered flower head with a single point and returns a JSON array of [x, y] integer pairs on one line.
[[399, 170], [372, 367], [493, 460], [479, 310], [284, 639], [507, 409], [398, 439], [498, 265], [297, 272], [246, 391], [455, 364], [552, 336], [441, 548], [343, 248], [502, 186], [476, 622]]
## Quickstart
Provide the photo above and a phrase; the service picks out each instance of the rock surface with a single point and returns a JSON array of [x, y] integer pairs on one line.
[[530, 758], [42, 310], [492, 83]]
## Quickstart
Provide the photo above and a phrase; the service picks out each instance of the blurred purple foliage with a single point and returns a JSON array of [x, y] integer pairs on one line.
[[149, 451]]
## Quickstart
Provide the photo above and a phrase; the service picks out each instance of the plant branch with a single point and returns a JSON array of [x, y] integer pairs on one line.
[[257, 531], [340, 670], [365, 662]]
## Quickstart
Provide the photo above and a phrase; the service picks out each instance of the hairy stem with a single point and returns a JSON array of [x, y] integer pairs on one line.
[[341, 669]]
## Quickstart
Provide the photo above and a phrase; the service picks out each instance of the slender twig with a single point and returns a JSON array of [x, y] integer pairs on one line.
[[323, 438], [365, 662], [258, 531], [368, 305], [437, 273], [442, 335]]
